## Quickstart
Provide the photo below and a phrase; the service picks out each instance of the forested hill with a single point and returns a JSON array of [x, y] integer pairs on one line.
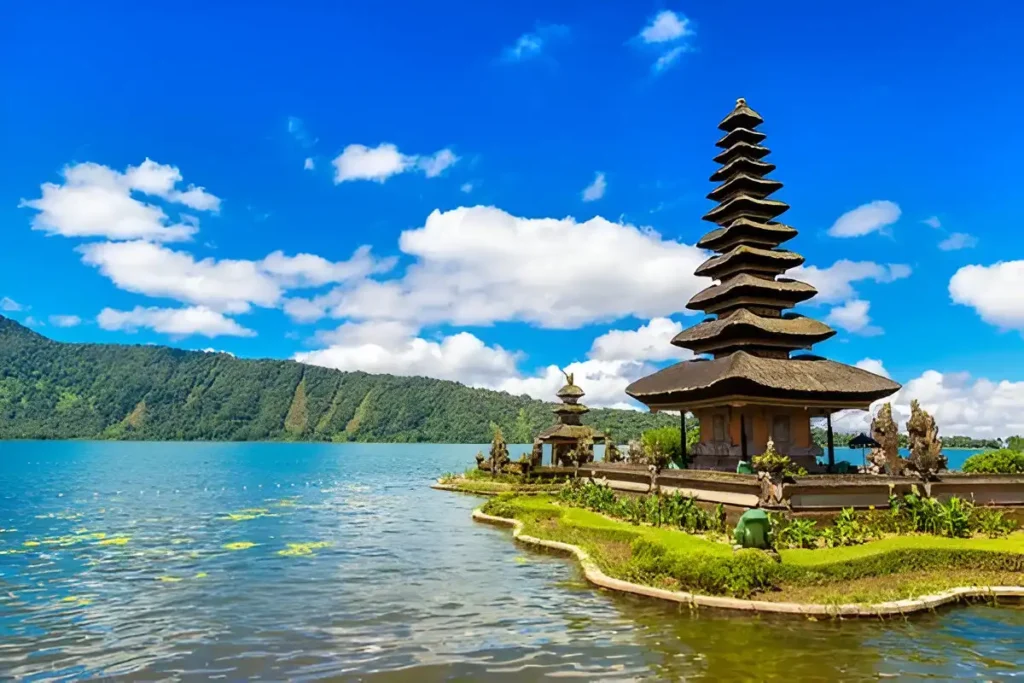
[[52, 390]]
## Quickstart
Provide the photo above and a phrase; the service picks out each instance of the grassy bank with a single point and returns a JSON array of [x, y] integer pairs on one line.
[[482, 483], [890, 568]]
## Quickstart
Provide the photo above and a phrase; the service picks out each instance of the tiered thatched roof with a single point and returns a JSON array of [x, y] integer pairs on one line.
[[752, 338]]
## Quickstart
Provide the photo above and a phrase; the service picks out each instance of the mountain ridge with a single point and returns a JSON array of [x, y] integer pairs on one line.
[[59, 390]]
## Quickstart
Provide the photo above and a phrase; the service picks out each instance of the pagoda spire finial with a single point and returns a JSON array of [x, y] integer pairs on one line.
[[741, 102]]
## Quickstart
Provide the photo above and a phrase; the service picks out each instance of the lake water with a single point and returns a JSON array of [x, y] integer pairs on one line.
[[117, 562]]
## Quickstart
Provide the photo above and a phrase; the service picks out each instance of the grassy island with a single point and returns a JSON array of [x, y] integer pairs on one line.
[[879, 568]]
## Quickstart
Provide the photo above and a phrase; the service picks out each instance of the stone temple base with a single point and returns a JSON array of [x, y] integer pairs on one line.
[[728, 463]]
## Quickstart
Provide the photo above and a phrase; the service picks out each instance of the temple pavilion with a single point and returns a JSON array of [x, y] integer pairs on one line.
[[748, 386], [569, 433]]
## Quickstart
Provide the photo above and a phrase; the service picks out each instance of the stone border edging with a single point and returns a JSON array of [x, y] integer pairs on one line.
[[893, 608]]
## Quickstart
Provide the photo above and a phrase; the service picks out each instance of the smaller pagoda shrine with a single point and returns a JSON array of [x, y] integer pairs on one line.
[[570, 434]]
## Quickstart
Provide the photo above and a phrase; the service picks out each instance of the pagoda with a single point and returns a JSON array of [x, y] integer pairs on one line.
[[748, 387], [569, 433]]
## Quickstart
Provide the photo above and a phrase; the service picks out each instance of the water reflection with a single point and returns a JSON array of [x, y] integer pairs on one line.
[[199, 561]]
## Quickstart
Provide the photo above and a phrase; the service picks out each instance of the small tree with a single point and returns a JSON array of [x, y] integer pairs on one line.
[[667, 442]]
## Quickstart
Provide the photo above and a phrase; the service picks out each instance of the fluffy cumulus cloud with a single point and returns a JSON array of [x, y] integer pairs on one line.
[[227, 285], [392, 348], [667, 33], [932, 222], [176, 322], [595, 190], [65, 320], [835, 283], [97, 201], [359, 162], [9, 305], [533, 44], [995, 292], [865, 219], [958, 240], [961, 404], [650, 342], [308, 164], [853, 316], [476, 266]]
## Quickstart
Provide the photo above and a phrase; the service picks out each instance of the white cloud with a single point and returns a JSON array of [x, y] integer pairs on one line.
[[10, 305], [385, 349], [958, 240], [97, 201], [308, 165], [604, 382], [177, 322], [650, 342], [229, 286], [65, 320], [530, 45], [309, 270], [595, 190], [665, 26], [359, 162], [853, 317], [467, 187], [932, 222], [668, 58], [835, 283], [475, 266], [865, 219], [435, 164], [960, 404], [667, 32], [995, 292], [873, 365]]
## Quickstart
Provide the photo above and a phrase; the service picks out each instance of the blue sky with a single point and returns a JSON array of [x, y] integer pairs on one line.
[[901, 114]]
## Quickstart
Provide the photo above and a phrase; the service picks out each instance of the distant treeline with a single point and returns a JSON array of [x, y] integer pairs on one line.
[[51, 390]]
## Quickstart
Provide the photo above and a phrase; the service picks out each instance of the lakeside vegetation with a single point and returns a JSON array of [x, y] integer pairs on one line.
[[842, 440], [52, 390], [687, 552]]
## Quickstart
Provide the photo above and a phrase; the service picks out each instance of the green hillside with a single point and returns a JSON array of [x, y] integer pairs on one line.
[[52, 390]]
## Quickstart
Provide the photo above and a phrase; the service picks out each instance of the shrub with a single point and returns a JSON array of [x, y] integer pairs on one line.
[[741, 574], [664, 445], [1002, 461], [776, 464], [799, 533], [657, 510]]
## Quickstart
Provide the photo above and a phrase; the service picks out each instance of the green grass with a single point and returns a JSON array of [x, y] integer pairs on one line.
[[475, 481], [887, 569]]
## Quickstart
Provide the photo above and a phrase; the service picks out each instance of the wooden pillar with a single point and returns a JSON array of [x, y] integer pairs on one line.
[[682, 429], [831, 445], [743, 437]]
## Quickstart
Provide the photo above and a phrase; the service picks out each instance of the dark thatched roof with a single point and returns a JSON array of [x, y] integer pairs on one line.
[[569, 433], [745, 206], [747, 135], [741, 149], [742, 165], [798, 330], [570, 409], [769, 260], [746, 230], [784, 291], [743, 374], [741, 116], [570, 391], [747, 184]]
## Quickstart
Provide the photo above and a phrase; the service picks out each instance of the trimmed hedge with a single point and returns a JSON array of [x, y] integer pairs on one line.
[[1002, 461]]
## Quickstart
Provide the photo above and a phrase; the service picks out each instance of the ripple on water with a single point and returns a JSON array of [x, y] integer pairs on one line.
[[223, 561]]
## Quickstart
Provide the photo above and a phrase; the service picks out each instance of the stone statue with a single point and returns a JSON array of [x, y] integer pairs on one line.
[[499, 453], [568, 377], [887, 434], [635, 452], [537, 455], [754, 530], [926, 456]]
